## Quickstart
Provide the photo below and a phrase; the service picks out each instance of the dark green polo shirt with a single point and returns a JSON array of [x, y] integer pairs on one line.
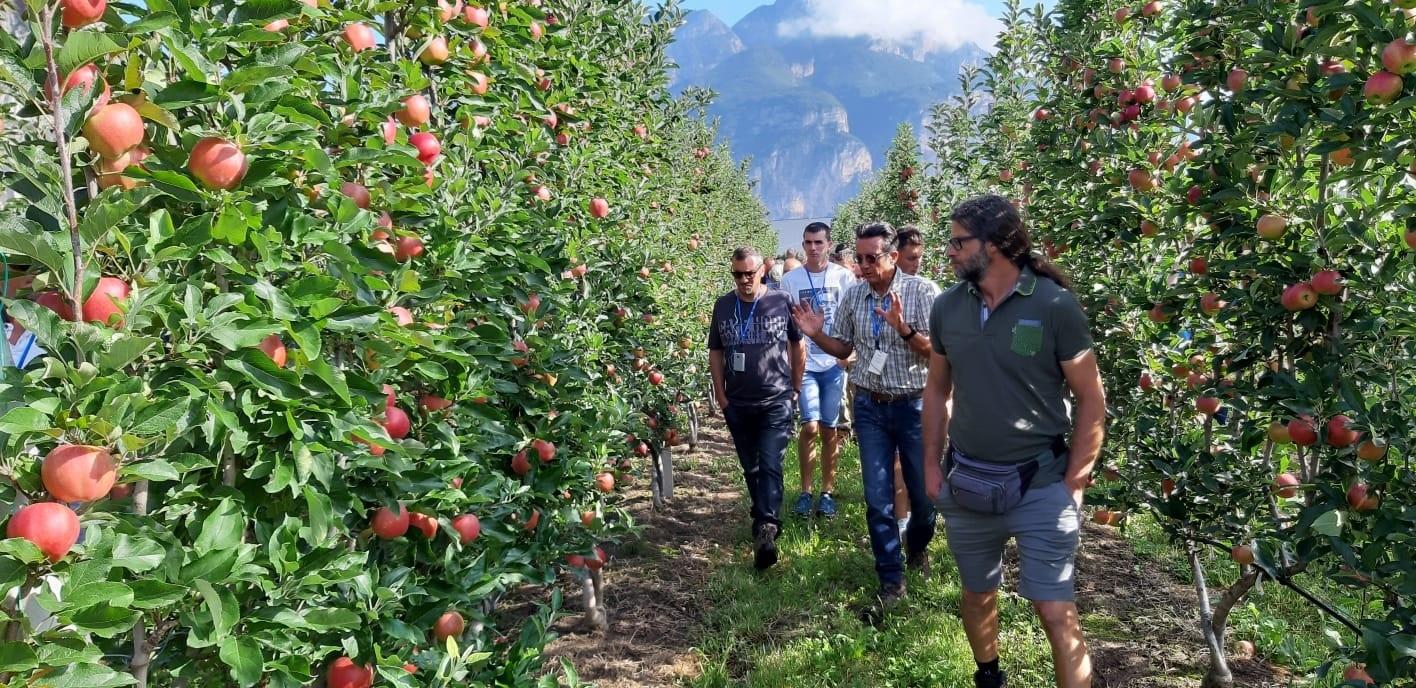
[[1008, 382]]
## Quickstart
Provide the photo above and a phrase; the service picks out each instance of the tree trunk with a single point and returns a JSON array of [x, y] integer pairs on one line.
[[1218, 675], [142, 652], [592, 588]]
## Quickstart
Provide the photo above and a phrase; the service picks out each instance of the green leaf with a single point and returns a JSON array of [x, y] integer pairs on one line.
[[222, 528], [222, 607], [65, 651], [249, 76], [279, 305], [186, 93], [18, 235], [331, 619], [24, 419], [243, 655], [334, 378], [48, 329], [158, 419], [155, 594], [136, 554], [151, 23], [230, 226], [210, 566], [97, 592], [22, 549], [123, 350], [110, 208], [83, 47], [258, 368], [12, 574], [1329, 524], [155, 470], [85, 676], [235, 338], [17, 656], [105, 621]]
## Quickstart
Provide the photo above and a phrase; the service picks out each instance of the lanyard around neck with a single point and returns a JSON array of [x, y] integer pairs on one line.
[[745, 325]]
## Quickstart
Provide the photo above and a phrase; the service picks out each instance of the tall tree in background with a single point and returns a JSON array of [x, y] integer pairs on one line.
[[896, 193]]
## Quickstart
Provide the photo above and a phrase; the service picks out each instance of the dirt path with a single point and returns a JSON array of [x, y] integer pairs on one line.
[[1141, 619]]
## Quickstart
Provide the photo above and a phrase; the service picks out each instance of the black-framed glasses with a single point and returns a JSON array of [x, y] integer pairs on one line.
[[745, 274], [870, 259], [957, 243]]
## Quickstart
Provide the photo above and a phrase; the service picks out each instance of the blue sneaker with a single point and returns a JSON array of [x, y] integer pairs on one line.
[[826, 506], [803, 505]]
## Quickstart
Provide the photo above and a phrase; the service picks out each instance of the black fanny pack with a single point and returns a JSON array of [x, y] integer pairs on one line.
[[992, 488]]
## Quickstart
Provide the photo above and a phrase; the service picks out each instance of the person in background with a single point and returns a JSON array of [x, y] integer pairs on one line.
[[771, 273], [757, 358], [819, 285], [1010, 343], [842, 255], [24, 347], [911, 242], [790, 260], [880, 320]]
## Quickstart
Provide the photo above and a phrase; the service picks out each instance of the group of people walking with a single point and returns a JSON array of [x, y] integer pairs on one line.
[[982, 403]]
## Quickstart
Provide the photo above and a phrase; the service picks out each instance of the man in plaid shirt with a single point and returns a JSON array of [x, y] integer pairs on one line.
[[884, 321]]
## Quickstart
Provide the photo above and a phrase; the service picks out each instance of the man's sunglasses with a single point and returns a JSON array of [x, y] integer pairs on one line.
[[870, 259], [744, 274]]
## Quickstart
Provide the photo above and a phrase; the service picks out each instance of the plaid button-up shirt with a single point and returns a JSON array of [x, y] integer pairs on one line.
[[857, 323]]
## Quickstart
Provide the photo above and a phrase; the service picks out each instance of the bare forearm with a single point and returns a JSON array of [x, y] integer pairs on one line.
[[833, 346], [1087, 434], [715, 366], [920, 345], [935, 416]]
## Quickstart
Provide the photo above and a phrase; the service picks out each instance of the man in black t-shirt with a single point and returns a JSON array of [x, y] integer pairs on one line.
[[757, 356]]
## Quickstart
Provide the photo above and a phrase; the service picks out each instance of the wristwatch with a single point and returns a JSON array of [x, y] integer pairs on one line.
[[910, 335]]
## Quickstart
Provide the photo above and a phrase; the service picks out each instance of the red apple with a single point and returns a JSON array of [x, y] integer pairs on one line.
[[1170, 82], [1372, 450], [1272, 227], [1141, 180], [1147, 383], [599, 208], [1237, 80], [1198, 265], [274, 347], [428, 146], [1211, 304], [407, 248], [1116, 65], [1207, 405], [1359, 497], [1339, 432], [656, 378], [1152, 8], [434, 52], [77, 13], [428, 525], [114, 129], [1302, 432], [396, 422], [357, 193], [433, 403], [468, 527], [359, 37], [1242, 555], [545, 450], [78, 473], [450, 624], [520, 465], [1328, 282], [477, 16], [531, 304], [1358, 673], [1299, 297], [1286, 485], [401, 315], [389, 525], [1399, 57], [416, 112], [1278, 433], [51, 526], [605, 482], [102, 305], [1382, 88], [344, 673], [217, 163]]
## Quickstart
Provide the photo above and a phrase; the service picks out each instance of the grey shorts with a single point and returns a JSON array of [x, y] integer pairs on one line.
[[1048, 527]]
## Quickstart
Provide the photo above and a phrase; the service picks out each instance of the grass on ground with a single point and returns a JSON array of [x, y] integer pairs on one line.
[[795, 625]]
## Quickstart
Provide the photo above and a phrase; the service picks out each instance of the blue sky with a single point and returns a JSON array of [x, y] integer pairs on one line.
[[732, 10]]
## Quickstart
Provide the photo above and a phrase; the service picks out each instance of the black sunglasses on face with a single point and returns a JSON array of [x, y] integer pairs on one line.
[[957, 243], [743, 275]]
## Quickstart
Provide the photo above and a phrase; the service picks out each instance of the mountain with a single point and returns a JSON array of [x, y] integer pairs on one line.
[[815, 114]]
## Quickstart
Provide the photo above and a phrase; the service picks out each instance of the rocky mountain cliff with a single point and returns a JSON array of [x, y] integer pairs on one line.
[[815, 114]]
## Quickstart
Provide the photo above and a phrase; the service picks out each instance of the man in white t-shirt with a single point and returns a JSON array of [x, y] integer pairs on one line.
[[822, 284]]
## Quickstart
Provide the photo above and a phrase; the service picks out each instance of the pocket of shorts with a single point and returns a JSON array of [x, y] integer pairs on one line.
[[1027, 337]]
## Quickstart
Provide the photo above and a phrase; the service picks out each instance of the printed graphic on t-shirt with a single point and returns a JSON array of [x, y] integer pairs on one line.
[[760, 330], [824, 300]]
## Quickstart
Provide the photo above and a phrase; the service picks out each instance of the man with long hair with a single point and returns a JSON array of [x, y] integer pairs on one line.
[[1009, 343]]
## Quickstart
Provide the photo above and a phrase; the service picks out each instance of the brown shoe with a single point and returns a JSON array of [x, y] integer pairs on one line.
[[918, 561], [887, 598]]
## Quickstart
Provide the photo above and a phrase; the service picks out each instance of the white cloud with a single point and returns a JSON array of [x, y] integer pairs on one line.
[[936, 24]]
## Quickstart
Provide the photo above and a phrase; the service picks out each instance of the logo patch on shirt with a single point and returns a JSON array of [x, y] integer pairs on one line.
[[1027, 337]]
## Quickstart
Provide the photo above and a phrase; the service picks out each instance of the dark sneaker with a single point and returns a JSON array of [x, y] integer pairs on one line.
[[803, 505], [886, 599], [765, 554], [990, 679], [918, 561], [826, 506]]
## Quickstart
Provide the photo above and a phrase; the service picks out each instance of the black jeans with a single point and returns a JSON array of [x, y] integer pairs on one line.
[[761, 434]]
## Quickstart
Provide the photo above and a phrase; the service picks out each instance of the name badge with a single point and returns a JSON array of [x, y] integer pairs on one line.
[[877, 363], [739, 362]]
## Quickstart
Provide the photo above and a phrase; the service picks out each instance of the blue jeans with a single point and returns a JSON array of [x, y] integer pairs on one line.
[[761, 434], [882, 430], [821, 396]]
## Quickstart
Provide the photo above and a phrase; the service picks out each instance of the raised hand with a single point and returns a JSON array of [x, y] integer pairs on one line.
[[895, 317], [810, 321]]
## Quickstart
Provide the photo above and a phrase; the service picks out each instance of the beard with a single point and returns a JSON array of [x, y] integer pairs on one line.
[[972, 269]]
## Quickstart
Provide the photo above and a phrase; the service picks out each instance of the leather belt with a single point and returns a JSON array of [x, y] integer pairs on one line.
[[884, 398]]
